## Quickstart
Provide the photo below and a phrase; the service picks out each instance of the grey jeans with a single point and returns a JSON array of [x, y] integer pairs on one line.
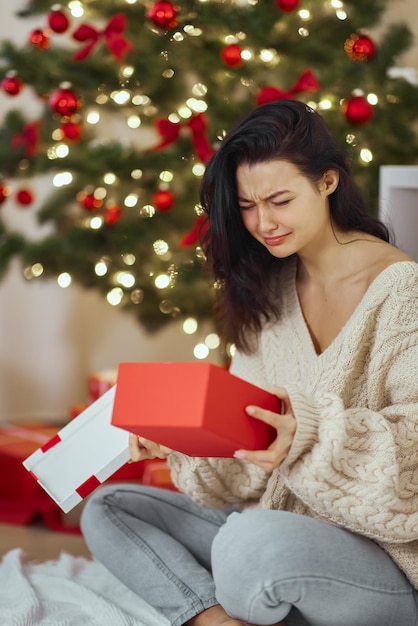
[[262, 566]]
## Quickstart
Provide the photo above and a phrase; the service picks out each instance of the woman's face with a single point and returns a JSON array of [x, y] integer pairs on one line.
[[283, 209]]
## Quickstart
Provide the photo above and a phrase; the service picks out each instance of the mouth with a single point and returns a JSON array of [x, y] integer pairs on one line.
[[275, 241]]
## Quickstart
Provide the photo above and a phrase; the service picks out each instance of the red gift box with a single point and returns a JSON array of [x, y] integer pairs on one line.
[[21, 498], [98, 383], [157, 474], [16, 443], [196, 408]]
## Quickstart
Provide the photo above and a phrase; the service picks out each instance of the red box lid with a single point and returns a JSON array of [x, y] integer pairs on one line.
[[195, 408]]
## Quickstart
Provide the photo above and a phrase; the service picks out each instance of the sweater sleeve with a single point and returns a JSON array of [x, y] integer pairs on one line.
[[358, 467], [217, 482]]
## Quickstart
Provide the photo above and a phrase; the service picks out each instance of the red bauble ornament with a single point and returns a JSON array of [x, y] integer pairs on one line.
[[112, 214], [12, 84], [39, 38], [88, 201], [71, 131], [64, 101], [287, 5], [58, 20], [360, 48], [4, 192], [163, 200], [231, 55], [163, 14], [24, 197], [358, 111]]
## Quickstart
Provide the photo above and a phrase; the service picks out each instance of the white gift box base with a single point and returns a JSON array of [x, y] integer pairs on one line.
[[83, 454]]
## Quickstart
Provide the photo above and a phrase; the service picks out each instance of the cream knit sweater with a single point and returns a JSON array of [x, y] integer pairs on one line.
[[354, 458]]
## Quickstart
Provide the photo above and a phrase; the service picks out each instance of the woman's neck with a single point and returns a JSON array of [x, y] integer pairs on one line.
[[341, 256]]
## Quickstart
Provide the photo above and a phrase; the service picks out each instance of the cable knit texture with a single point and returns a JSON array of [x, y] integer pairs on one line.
[[354, 458]]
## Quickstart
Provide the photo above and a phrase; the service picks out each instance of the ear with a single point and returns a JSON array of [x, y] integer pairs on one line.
[[329, 182]]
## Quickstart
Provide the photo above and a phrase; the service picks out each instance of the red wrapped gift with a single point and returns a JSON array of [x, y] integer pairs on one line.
[[16, 443], [98, 383], [21, 498], [76, 409], [157, 474]]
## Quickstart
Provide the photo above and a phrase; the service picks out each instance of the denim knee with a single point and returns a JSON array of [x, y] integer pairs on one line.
[[232, 533], [242, 540], [238, 564], [238, 548], [267, 564], [92, 513]]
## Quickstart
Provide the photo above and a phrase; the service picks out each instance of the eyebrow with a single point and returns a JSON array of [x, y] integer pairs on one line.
[[269, 197]]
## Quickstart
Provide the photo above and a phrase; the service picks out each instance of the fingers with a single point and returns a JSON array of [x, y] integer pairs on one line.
[[268, 460], [263, 458], [263, 415], [285, 425], [282, 394], [271, 417], [156, 450], [137, 450], [141, 448]]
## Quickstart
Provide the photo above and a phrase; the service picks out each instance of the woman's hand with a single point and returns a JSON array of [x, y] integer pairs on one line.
[[285, 425], [141, 448]]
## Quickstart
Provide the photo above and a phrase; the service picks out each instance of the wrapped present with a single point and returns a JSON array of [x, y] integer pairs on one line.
[[26, 510], [157, 474], [76, 409], [16, 443], [196, 408], [22, 500], [100, 382], [97, 384]]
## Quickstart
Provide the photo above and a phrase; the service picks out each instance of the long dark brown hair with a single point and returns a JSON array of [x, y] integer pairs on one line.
[[241, 266]]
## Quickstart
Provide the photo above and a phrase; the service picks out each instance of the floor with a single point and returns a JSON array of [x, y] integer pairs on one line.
[[41, 544]]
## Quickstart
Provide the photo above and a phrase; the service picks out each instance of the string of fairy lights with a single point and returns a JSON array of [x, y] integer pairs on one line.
[[139, 109]]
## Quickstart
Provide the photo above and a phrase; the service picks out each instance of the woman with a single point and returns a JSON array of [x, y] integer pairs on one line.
[[321, 528]]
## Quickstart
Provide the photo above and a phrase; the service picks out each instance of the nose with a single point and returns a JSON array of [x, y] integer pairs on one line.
[[267, 221]]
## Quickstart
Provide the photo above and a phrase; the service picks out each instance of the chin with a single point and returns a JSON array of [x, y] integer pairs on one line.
[[280, 252]]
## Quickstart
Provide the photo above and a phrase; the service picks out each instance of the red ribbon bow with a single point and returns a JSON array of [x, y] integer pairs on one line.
[[197, 232], [170, 132], [306, 82], [111, 34], [28, 138]]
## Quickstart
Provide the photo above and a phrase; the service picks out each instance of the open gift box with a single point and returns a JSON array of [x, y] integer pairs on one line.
[[195, 408]]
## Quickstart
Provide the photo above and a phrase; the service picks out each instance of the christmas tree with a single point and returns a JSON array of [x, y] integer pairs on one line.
[[135, 97]]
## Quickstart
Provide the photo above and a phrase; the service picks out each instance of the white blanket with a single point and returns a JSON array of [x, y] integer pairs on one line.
[[71, 591]]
